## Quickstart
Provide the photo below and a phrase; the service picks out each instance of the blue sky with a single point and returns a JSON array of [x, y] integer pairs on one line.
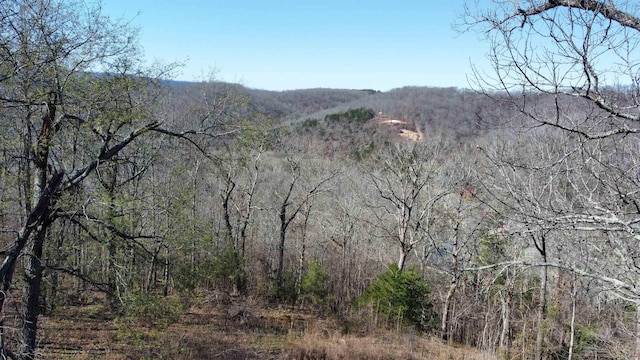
[[286, 45]]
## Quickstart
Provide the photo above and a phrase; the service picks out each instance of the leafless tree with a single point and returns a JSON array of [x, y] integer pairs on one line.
[[409, 183], [573, 66], [297, 192], [56, 104]]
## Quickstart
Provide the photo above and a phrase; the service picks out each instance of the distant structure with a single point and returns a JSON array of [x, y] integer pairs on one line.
[[393, 122], [412, 135], [406, 129]]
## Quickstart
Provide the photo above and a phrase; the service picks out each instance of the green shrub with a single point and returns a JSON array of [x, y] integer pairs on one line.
[[228, 271], [401, 295], [141, 338], [584, 338], [314, 286], [309, 123], [188, 277], [152, 310], [225, 272], [286, 288], [359, 115]]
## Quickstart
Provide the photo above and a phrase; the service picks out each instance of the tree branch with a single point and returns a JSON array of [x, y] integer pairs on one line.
[[609, 11], [628, 290]]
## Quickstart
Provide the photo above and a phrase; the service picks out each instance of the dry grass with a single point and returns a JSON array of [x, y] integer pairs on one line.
[[237, 331], [381, 346], [82, 333]]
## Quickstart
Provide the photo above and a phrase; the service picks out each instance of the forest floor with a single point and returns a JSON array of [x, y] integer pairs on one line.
[[242, 330]]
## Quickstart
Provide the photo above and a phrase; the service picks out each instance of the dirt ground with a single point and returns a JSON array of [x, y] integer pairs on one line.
[[242, 330]]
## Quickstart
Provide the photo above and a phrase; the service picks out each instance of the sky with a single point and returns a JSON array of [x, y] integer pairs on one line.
[[287, 45]]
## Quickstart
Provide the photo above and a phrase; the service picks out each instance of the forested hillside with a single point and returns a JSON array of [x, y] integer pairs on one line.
[[503, 219], [457, 110]]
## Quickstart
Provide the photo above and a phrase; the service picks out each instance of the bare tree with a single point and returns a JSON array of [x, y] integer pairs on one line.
[[49, 53], [296, 195], [409, 183], [573, 66], [343, 224]]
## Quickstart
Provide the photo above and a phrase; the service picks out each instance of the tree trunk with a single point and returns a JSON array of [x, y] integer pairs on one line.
[[574, 295], [226, 206], [444, 326], [33, 264], [505, 334], [113, 268], [303, 251], [283, 234], [301, 261], [542, 314], [152, 277], [166, 273], [402, 262], [31, 293], [637, 352], [284, 224]]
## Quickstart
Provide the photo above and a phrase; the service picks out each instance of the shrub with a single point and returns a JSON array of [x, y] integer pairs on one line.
[[401, 295], [314, 286], [228, 271], [225, 272], [309, 123], [286, 288], [359, 116], [152, 310], [188, 277]]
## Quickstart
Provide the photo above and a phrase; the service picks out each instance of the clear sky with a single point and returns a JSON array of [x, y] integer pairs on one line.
[[282, 45]]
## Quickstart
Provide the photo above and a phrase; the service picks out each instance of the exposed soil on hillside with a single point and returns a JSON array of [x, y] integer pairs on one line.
[[403, 128]]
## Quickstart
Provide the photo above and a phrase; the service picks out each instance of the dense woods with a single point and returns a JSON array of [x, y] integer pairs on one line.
[[508, 223]]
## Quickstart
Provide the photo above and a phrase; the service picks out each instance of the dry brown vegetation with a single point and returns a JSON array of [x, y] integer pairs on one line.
[[244, 330]]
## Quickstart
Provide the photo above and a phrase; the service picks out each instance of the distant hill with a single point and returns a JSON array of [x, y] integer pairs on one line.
[[298, 104], [347, 122], [289, 105], [458, 111], [454, 108]]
